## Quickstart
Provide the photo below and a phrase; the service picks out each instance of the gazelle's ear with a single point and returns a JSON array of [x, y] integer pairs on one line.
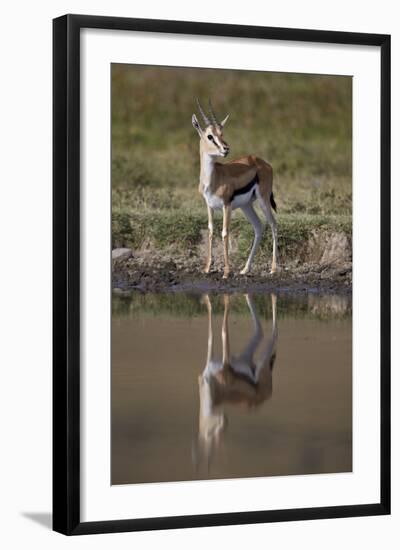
[[222, 124], [196, 125]]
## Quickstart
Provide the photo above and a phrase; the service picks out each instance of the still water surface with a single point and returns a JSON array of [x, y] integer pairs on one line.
[[218, 387]]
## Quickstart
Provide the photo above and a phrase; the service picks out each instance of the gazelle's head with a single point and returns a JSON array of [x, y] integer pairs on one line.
[[211, 137]]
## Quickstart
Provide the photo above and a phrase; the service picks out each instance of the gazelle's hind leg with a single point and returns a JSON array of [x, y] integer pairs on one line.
[[268, 355], [248, 353], [267, 210], [258, 227]]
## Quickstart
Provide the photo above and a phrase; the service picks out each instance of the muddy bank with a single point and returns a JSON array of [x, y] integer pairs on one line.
[[151, 271], [322, 261]]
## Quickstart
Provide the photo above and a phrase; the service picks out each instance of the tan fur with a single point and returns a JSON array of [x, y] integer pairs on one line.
[[231, 176]]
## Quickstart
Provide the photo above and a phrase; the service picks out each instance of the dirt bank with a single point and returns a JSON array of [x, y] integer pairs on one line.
[[322, 264]]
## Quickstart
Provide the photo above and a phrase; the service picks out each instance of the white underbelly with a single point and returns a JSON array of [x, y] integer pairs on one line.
[[242, 200], [216, 203]]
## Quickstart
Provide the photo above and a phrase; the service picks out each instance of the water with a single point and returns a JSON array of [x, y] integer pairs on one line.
[[219, 387]]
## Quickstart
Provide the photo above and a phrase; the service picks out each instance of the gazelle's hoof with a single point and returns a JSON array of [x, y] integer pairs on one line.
[[207, 270], [245, 271], [225, 275]]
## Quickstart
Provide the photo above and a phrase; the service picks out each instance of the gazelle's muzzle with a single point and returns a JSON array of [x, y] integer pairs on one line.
[[225, 150]]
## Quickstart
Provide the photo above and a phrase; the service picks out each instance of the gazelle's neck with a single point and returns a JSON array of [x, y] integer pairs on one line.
[[207, 163]]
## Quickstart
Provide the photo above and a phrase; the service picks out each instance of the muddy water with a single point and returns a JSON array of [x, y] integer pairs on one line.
[[225, 387]]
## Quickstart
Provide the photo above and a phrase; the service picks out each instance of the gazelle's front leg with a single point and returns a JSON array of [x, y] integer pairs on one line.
[[225, 237], [210, 239]]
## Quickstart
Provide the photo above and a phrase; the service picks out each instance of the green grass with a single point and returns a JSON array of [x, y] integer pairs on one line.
[[183, 230], [301, 124]]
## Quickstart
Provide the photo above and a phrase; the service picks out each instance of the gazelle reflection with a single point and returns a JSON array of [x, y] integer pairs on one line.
[[238, 380]]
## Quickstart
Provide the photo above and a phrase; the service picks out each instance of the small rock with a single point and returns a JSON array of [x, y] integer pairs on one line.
[[121, 253]]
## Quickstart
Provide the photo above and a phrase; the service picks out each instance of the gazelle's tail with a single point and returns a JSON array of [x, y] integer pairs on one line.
[[272, 201]]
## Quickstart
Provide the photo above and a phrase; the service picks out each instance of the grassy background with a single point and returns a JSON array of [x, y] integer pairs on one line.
[[301, 124]]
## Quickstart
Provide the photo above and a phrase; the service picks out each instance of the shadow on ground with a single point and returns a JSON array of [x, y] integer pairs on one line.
[[42, 518]]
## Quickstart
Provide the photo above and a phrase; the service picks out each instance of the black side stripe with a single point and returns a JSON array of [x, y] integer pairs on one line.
[[246, 188]]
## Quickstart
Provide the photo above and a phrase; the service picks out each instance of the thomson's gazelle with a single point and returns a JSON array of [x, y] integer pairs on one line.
[[235, 184]]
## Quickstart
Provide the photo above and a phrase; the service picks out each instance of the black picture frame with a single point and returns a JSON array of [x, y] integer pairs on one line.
[[66, 273]]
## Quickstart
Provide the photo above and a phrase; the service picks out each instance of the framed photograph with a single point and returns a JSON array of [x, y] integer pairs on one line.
[[221, 274]]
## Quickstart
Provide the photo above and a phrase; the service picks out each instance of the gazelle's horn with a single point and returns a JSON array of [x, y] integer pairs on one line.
[[205, 117], [213, 117]]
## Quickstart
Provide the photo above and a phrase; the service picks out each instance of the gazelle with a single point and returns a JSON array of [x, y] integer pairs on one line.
[[231, 185], [234, 379]]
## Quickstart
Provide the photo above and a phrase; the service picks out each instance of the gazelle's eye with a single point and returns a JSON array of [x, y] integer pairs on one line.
[[210, 137]]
